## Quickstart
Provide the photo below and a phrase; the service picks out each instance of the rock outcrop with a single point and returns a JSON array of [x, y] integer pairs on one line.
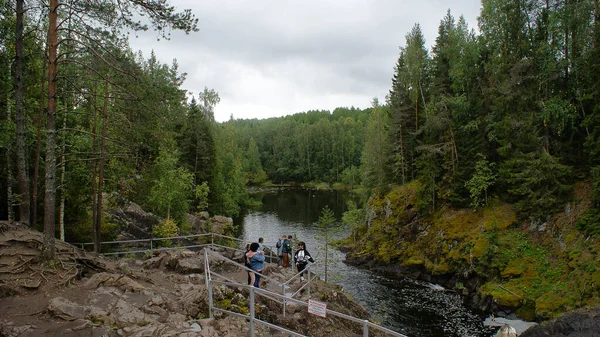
[[580, 323], [81, 294]]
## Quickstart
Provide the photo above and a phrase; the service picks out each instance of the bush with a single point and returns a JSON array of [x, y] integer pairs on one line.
[[589, 222], [165, 229]]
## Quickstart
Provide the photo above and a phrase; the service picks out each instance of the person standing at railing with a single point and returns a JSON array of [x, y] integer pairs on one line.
[[261, 247], [247, 264], [279, 247], [302, 257], [257, 262], [291, 250], [286, 251]]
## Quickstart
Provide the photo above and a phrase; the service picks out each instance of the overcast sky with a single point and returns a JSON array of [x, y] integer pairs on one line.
[[270, 58]]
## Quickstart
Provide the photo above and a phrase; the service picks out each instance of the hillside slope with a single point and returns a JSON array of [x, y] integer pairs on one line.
[[536, 269], [82, 294]]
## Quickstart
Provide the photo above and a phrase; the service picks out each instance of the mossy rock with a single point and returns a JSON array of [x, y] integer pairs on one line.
[[527, 311], [481, 246], [440, 268], [502, 296], [516, 268], [498, 216], [414, 261], [552, 302]]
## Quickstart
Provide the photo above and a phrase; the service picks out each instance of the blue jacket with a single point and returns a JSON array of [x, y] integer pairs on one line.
[[257, 262]]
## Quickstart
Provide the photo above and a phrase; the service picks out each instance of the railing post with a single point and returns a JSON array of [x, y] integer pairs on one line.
[[251, 311], [208, 284], [365, 328], [212, 240], [151, 247], [308, 286], [284, 297]]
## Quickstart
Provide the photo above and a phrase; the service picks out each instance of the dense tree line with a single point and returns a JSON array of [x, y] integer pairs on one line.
[[83, 118], [316, 146], [511, 112]]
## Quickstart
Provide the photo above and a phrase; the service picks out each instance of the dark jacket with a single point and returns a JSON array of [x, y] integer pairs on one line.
[[286, 248], [303, 256]]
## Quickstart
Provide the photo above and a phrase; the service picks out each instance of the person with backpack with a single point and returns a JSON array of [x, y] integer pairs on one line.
[[279, 246], [302, 257], [286, 250]]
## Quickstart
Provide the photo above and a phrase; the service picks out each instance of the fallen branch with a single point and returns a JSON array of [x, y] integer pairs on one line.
[[501, 287], [42, 275]]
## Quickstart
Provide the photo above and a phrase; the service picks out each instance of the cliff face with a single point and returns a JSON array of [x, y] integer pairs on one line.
[[502, 263]]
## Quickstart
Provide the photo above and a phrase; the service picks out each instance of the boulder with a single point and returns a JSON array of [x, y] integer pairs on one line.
[[195, 301], [67, 310], [190, 265], [113, 280], [134, 221], [125, 314], [220, 224], [506, 331], [158, 262]]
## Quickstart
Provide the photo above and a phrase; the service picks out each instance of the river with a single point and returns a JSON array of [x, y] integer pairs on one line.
[[414, 308]]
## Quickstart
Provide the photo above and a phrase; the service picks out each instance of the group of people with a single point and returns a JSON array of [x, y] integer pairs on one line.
[[301, 257], [255, 257]]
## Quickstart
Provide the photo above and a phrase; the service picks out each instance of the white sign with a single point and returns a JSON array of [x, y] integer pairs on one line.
[[317, 308]]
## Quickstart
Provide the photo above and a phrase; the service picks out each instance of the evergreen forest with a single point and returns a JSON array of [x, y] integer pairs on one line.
[[509, 111]]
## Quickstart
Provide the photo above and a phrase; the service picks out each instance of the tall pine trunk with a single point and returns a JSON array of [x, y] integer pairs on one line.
[[20, 120], [402, 157], [9, 173], [9, 191], [596, 25], [92, 110], [37, 150], [97, 233], [50, 193], [63, 168]]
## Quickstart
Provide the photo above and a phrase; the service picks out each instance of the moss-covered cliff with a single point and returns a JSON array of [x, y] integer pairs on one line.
[[537, 268]]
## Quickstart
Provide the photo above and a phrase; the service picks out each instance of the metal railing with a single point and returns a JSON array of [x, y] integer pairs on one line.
[[284, 299], [152, 244], [279, 298]]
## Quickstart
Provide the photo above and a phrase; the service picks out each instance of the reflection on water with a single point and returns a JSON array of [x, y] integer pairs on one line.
[[411, 307]]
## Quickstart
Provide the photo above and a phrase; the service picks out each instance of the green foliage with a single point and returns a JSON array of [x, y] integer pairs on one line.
[[376, 151], [327, 230], [172, 185], [165, 229], [255, 175], [351, 176], [482, 179], [201, 194], [353, 218], [589, 222], [537, 182]]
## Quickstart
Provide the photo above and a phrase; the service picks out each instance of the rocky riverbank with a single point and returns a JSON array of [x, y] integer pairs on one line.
[[81, 294], [536, 270]]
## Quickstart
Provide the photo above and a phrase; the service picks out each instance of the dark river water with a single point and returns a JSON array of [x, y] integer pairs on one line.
[[414, 308]]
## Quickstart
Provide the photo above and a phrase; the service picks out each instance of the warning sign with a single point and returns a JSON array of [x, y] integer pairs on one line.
[[317, 308]]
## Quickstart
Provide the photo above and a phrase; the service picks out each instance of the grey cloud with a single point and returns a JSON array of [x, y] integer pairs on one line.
[[318, 48]]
